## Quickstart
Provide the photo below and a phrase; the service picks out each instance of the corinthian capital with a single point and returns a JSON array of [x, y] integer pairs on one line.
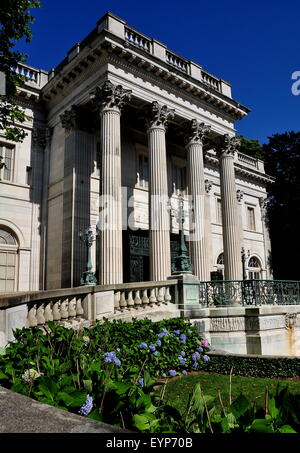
[[70, 119], [227, 146], [110, 96], [195, 132], [158, 115]]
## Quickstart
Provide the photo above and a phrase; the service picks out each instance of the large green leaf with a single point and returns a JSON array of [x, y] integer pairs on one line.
[[287, 429], [239, 406], [273, 410], [261, 425]]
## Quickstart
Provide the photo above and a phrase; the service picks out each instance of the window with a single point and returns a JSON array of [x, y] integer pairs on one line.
[[143, 170], [219, 211], [251, 219], [8, 261], [179, 180], [254, 268], [6, 162]]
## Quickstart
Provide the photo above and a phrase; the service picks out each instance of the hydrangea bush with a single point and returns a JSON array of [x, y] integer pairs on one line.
[[103, 371]]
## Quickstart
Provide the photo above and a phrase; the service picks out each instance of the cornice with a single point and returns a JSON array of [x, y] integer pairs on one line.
[[111, 46]]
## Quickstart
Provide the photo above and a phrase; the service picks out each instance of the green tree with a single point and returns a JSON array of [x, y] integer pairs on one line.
[[282, 160], [15, 21], [251, 147]]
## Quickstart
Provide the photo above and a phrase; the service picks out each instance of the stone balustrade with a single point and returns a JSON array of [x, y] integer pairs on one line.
[[33, 77], [247, 160], [210, 80], [143, 296], [137, 39], [177, 62]]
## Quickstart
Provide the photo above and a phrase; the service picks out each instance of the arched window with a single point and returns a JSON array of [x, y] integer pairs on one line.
[[254, 268], [8, 260]]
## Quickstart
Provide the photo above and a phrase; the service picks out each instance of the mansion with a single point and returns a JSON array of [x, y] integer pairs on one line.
[[119, 134]]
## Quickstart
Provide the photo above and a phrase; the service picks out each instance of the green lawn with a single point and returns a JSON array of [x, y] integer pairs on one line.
[[177, 390]]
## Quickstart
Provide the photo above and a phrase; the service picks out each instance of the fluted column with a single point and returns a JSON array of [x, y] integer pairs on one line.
[[160, 254], [230, 218], [195, 134], [263, 202], [110, 100], [208, 230]]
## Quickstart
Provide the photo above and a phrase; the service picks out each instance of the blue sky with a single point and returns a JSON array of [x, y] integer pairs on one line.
[[253, 44]]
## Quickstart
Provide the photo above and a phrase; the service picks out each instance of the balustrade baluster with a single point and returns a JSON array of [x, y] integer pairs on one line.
[[130, 301], [168, 297], [48, 312], [137, 299], [64, 313], [79, 308], [31, 318], [152, 298], [160, 295], [145, 298], [56, 311], [72, 308], [117, 296], [40, 314], [123, 302]]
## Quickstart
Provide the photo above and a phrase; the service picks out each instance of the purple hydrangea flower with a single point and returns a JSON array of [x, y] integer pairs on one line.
[[200, 349], [87, 407], [152, 347], [195, 364], [172, 373], [184, 372], [141, 382], [177, 332], [158, 343], [155, 353], [143, 346], [182, 338], [206, 358], [117, 361]]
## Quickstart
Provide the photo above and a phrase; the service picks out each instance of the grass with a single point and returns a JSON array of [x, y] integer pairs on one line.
[[177, 390]]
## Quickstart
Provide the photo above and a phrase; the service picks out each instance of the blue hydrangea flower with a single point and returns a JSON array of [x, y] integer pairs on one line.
[[143, 346], [196, 356], [182, 353], [87, 407], [161, 335], [195, 364], [141, 382], [117, 361], [206, 358], [177, 332], [184, 372], [155, 353], [182, 338], [172, 373], [152, 347], [166, 332], [109, 356], [158, 343], [200, 349]]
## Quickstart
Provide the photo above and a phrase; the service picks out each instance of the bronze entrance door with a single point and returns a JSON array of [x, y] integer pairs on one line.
[[136, 256]]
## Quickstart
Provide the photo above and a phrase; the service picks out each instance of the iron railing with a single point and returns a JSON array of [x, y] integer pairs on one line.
[[249, 292]]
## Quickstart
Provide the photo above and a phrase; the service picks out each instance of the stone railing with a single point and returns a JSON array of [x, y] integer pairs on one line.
[[247, 160], [35, 78], [176, 61], [210, 80], [144, 295], [137, 39]]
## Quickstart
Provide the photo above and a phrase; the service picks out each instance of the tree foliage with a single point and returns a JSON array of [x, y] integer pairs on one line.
[[282, 160], [251, 147], [15, 21]]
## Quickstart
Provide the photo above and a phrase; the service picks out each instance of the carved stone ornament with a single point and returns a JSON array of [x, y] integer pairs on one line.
[[70, 118], [195, 132], [109, 96], [227, 146], [239, 195], [158, 116], [263, 203], [208, 185], [290, 320], [41, 137]]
